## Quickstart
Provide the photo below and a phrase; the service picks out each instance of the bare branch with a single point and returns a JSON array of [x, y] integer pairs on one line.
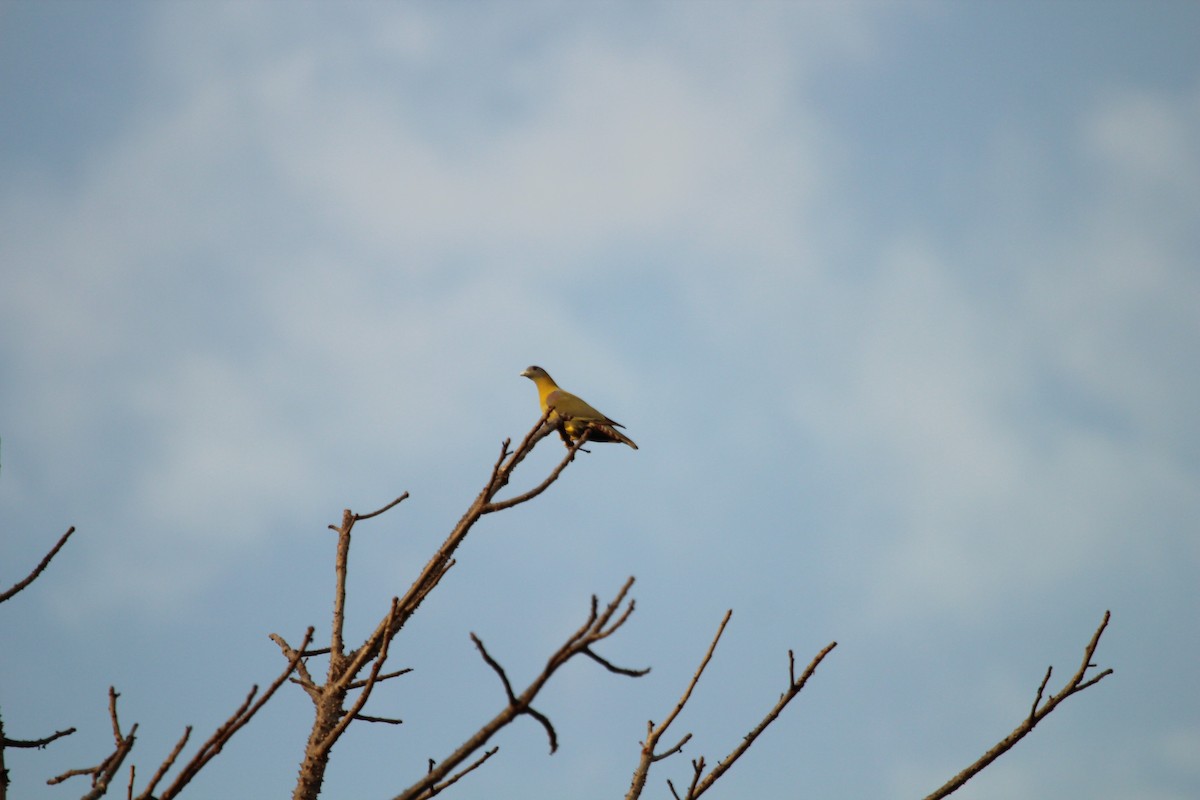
[[1075, 685], [550, 732], [697, 771], [1037, 698], [305, 680], [45, 562], [632, 673], [165, 766], [344, 668], [687, 693], [341, 566], [103, 773], [384, 720], [700, 782], [495, 665], [442, 560], [313, 652], [544, 485], [22, 743], [512, 698], [535, 435], [655, 732], [381, 678], [793, 689], [34, 743], [676, 749], [377, 512]]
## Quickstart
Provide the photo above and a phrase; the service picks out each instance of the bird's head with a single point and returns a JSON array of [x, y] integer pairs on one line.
[[535, 374]]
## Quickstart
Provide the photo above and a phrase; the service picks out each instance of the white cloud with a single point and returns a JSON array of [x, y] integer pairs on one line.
[[1146, 136], [1020, 439]]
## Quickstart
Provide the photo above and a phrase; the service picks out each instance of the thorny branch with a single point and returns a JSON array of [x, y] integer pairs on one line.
[[1037, 713], [700, 783], [330, 698], [599, 626]]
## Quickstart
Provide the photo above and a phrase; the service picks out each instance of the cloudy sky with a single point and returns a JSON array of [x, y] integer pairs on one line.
[[900, 301]]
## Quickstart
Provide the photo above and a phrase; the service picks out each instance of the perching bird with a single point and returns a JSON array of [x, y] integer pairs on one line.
[[570, 415]]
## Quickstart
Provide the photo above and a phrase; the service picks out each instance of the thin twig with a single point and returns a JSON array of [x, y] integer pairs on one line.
[[383, 720], [495, 665], [608, 665], [455, 777], [377, 512], [45, 562], [381, 678], [1037, 698], [678, 748], [313, 652]]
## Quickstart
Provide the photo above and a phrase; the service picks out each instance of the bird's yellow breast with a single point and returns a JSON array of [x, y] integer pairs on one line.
[[544, 387]]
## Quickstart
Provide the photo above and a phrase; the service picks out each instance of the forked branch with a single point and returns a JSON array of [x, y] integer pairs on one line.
[[1039, 711], [700, 781], [600, 625], [103, 773], [441, 561]]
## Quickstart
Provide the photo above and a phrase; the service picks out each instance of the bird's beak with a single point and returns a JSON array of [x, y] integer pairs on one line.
[[524, 373]]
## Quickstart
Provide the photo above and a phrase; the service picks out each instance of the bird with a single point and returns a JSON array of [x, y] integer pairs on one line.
[[570, 415]]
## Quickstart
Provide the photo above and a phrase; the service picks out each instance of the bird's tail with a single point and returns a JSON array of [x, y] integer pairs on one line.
[[611, 434]]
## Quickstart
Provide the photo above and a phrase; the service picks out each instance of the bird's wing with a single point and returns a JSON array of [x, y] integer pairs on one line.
[[568, 406]]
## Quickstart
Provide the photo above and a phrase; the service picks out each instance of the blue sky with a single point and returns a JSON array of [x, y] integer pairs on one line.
[[898, 300]]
